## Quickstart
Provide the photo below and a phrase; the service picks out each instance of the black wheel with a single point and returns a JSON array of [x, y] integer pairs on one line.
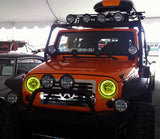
[[142, 126], [11, 124]]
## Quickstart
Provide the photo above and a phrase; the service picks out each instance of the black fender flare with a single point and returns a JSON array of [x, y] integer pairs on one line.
[[15, 83], [135, 88]]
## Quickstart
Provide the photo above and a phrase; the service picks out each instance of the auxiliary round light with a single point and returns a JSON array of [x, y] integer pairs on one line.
[[86, 18], [12, 98], [118, 17], [32, 83], [47, 81], [108, 88], [71, 18], [67, 82], [121, 105], [101, 18], [132, 50], [51, 50]]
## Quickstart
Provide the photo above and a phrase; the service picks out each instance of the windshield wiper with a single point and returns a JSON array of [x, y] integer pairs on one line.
[[74, 53], [99, 53], [112, 57]]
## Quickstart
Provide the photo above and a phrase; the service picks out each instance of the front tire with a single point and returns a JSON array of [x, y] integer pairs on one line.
[[142, 126]]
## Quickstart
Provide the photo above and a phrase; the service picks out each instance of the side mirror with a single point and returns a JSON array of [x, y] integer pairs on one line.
[[153, 62], [150, 63]]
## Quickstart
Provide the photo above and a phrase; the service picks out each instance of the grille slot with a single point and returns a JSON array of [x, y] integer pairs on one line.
[[74, 97]]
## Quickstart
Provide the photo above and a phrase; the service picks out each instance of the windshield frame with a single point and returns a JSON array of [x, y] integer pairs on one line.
[[135, 41]]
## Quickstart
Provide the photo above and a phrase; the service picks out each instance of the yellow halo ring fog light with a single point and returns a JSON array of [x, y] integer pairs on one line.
[[32, 83], [108, 88]]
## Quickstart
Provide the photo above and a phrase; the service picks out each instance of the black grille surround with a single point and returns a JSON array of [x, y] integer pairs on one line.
[[77, 96]]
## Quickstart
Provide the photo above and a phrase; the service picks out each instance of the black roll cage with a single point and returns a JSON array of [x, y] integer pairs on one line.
[[93, 25]]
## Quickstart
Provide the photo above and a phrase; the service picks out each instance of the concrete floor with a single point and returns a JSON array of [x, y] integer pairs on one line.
[[156, 96]]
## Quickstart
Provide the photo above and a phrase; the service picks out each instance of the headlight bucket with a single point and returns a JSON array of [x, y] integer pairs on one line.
[[67, 82], [108, 88], [32, 83], [47, 81]]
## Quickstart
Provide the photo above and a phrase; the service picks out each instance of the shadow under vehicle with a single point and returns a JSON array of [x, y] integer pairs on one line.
[[97, 78]]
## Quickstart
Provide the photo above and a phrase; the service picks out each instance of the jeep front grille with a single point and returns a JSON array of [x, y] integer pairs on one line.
[[74, 97]]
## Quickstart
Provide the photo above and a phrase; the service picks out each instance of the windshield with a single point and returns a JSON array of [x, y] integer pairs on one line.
[[25, 65], [112, 42]]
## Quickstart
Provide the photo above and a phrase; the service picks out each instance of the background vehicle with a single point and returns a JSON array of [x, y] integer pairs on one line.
[[97, 77], [12, 65], [7, 46]]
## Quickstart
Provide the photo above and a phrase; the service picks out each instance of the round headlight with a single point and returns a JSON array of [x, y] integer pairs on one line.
[[132, 50], [108, 88], [118, 17], [121, 105], [32, 83], [12, 98], [67, 82], [47, 81], [86, 18], [71, 18], [101, 18]]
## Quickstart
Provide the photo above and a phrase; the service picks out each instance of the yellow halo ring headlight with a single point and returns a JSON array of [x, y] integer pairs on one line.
[[32, 83], [108, 88]]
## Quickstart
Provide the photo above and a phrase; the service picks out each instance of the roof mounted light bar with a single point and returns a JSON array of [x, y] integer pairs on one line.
[[104, 17]]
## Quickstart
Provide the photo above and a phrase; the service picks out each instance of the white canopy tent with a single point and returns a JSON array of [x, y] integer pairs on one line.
[[19, 19], [30, 13]]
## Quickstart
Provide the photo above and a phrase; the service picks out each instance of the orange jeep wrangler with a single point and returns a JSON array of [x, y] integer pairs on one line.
[[96, 76]]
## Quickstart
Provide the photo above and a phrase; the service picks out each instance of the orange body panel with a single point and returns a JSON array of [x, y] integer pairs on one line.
[[111, 3]]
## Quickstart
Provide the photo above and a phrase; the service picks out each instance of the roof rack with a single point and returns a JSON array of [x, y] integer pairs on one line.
[[97, 25]]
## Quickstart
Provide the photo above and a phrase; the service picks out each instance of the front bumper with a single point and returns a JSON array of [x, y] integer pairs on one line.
[[70, 123], [106, 118]]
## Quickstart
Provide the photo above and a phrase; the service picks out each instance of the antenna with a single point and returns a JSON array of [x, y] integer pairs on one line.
[[51, 10]]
